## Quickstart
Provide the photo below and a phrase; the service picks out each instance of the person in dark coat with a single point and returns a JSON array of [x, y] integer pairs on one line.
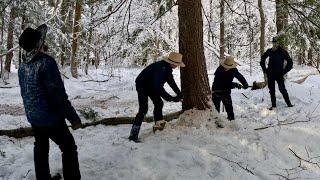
[[149, 83], [46, 105], [276, 70], [222, 85]]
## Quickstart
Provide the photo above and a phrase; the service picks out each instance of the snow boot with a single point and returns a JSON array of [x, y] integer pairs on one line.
[[134, 139], [159, 125], [134, 134], [271, 108], [56, 177]]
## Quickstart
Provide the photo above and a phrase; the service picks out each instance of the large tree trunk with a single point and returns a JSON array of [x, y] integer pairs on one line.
[[194, 78], [222, 40], [9, 56], [75, 34]]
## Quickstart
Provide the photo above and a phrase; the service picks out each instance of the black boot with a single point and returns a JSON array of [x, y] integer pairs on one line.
[[134, 134], [287, 100], [56, 177], [272, 107]]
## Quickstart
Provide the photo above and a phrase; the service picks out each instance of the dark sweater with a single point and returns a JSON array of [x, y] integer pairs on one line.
[[152, 79], [223, 79], [276, 62]]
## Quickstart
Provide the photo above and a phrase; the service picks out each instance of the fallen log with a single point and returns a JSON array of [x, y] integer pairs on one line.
[[27, 131]]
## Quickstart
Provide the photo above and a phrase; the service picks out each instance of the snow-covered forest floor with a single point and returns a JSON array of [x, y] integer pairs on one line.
[[191, 147]]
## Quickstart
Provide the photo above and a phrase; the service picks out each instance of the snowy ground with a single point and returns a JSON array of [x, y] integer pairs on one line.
[[191, 147]]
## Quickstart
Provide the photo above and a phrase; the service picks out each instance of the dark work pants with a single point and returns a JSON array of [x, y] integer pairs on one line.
[[60, 134], [282, 89], [143, 109], [226, 100]]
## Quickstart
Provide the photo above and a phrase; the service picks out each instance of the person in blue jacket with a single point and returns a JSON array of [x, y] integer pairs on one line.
[[276, 70], [222, 85], [149, 83], [46, 105]]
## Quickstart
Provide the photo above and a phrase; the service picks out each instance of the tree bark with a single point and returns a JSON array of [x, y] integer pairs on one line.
[[9, 56], [222, 40], [27, 131], [65, 28], [1, 42], [23, 26], [262, 27], [281, 15], [310, 57], [76, 29], [194, 77]]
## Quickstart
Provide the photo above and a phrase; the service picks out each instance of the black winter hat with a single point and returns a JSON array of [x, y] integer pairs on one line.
[[31, 39]]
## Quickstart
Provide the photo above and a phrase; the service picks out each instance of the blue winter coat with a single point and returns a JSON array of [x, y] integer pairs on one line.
[[43, 93], [152, 79]]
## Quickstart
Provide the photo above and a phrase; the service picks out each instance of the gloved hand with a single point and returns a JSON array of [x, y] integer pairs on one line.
[[76, 125], [237, 85], [176, 99]]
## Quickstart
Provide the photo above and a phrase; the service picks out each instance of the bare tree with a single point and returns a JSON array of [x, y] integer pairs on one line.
[[65, 28], [9, 56], [222, 40], [76, 29], [194, 78], [262, 27]]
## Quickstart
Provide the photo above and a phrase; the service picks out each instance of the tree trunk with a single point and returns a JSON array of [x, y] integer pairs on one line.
[[9, 56], [222, 40], [27, 131], [76, 29], [89, 49], [1, 42], [310, 57], [281, 15], [64, 28], [23, 26], [210, 40], [262, 27], [194, 78]]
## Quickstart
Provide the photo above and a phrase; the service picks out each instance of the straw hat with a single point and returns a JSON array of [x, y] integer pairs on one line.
[[175, 59], [229, 63]]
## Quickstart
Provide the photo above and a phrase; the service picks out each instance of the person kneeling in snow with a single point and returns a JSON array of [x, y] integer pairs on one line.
[[46, 105], [222, 85], [149, 83]]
